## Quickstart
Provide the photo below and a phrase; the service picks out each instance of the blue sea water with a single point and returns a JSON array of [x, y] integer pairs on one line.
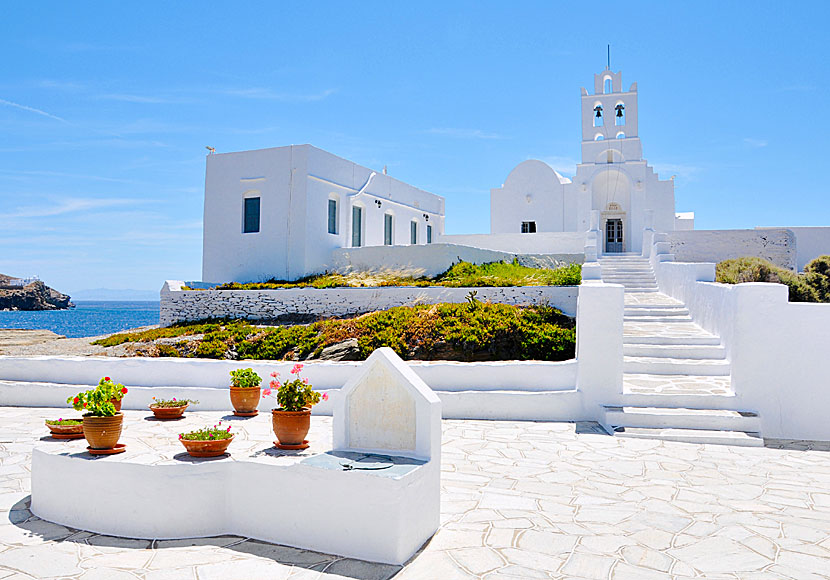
[[88, 318]]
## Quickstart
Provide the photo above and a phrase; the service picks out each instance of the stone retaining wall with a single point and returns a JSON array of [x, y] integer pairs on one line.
[[179, 305], [776, 245]]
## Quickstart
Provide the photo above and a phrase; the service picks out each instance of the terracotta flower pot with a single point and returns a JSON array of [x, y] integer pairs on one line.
[[66, 431], [168, 412], [208, 448], [103, 432], [117, 404], [245, 399], [291, 427]]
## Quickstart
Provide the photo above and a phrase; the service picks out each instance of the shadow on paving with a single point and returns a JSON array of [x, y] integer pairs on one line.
[[21, 516], [797, 444]]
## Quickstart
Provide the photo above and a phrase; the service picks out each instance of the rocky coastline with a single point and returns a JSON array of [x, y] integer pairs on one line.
[[33, 296]]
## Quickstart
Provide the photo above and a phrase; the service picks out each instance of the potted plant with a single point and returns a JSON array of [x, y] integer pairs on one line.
[[291, 420], [117, 390], [208, 441], [66, 428], [245, 392], [102, 423], [170, 408]]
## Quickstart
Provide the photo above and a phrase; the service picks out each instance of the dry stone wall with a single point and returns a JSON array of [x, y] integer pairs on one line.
[[776, 245], [179, 305]]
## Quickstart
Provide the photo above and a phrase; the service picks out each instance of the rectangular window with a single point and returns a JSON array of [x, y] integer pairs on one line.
[[332, 216], [528, 227], [429, 234], [250, 223], [357, 226], [387, 229], [413, 233]]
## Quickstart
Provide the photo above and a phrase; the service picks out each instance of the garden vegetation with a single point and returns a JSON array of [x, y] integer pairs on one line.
[[461, 274], [472, 331], [811, 286]]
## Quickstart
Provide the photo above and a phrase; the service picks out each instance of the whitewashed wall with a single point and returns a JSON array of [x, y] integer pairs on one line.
[[182, 305], [776, 245], [516, 243], [777, 349], [433, 259]]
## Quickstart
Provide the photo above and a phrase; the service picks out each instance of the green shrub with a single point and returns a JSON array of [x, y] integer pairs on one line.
[[742, 270], [817, 275], [460, 274]]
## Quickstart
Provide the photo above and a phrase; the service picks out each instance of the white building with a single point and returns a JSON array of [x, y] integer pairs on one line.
[[290, 212], [612, 179], [278, 213]]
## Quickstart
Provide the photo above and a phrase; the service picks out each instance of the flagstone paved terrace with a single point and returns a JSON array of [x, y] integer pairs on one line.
[[519, 500]]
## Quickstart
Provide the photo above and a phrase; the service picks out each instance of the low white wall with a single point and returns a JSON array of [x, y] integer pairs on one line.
[[777, 349], [810, 243], [599, 344], [47, 381], [538, 243], [182, 305], [776, 245], [434, 259]]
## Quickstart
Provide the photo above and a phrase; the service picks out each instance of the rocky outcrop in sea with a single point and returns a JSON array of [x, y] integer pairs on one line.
[[33, 296]]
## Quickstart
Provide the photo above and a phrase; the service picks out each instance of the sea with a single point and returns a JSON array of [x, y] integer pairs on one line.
[[88, 318]]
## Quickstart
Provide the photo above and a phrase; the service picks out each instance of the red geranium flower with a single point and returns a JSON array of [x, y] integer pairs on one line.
[[107, 379], [75, 400], [124, 390]]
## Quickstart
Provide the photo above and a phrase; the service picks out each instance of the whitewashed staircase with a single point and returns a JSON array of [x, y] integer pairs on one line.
[[676, 382]]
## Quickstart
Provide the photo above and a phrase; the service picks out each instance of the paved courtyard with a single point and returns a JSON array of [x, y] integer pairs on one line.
[[519, 500]]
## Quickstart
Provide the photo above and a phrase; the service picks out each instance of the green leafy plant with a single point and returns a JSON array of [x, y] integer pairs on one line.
[[64, 422], [97, 402], [245, 378], [812, 286], [295, 394], [208, 433], [174, 402]]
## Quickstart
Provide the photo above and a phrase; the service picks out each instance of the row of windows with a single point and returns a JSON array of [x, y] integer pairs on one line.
[[601, 137], [250, 223]]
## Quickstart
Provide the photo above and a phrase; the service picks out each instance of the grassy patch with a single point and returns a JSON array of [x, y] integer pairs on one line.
[[811, 286], [465, 332], [461, 274]]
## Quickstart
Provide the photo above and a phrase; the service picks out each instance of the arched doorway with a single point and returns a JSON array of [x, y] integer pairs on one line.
[[611, 195]]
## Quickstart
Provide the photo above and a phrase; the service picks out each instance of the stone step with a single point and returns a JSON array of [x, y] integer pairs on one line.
[[699, 351], [676, 366], [663, 304], [631, 279], [682, 418], [637, 311], [639, 290], [701, 339], [668, 318], [700, 436]]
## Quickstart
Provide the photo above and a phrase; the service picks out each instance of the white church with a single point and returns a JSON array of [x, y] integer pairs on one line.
[[288, 212]]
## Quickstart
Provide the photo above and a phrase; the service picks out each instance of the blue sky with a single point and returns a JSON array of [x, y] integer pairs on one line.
[[106, 109]]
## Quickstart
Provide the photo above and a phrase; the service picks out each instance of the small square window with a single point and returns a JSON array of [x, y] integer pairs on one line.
[[250, 222], [528, 227]]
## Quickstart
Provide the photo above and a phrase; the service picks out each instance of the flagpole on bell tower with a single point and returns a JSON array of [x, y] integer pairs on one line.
[[609, 57]]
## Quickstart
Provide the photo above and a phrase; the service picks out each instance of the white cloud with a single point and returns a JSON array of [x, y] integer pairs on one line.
[[268, 94], [31, 110], [755, 142], [70, 205], [463, 133]]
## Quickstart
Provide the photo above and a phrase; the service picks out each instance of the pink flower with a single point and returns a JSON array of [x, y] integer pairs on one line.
[[229, 428], [275, 374], [325, 396], [266, 392], [211, 435], [174, 398], [297, 368], [180, 435], [305, 381]]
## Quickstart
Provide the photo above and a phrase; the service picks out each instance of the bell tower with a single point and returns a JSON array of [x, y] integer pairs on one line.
[[609, 121]]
